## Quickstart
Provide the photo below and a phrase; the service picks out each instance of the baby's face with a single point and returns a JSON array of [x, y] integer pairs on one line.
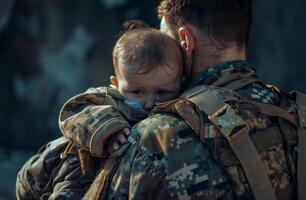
[[161, 84]]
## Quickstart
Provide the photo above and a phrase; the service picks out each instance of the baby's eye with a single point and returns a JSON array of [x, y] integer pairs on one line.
[[137, 92]]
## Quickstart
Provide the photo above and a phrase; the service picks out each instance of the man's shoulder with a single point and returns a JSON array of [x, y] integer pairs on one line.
[[167, 124], [170, 149], [168, 142], [161, 119], [260, 92]]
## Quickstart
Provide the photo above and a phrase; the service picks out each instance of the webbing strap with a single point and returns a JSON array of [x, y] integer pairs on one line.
[[275, 111], [254, 169], [241, 83], [225, 80], [99, 187], [288, 133], [236, 131], [86, 162], [301, 168]]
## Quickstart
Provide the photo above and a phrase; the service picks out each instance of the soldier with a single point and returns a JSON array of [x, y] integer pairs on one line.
[[228, 136]]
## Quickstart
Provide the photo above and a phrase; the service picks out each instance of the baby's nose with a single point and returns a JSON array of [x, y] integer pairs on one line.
[[149, 105]]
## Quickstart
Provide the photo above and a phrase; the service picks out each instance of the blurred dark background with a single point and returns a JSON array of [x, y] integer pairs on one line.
[[53, 49]]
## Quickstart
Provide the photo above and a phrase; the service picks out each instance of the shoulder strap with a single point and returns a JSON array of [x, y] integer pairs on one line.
[[289, 133], [212, 101], [275, 111], [241, 83], [225, 80], [301, 168], [99, 188], [285, 117], [237, 81]]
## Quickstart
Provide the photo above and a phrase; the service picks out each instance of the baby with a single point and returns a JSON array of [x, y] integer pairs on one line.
[[148, 69]]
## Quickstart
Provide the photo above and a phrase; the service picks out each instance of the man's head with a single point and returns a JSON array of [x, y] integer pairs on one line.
[[210, 31], [148, 66]]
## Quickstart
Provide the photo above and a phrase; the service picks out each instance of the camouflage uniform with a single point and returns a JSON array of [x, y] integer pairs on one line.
[[90, 118], [166, 159], [47, 176], [60, 170]]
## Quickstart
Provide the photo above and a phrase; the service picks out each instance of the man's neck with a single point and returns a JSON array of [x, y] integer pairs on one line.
[[226, 55]]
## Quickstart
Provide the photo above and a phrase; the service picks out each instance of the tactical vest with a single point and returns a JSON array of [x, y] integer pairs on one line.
[[250, 137]]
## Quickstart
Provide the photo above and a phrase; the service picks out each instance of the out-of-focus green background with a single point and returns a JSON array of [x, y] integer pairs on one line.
[[51, 50]]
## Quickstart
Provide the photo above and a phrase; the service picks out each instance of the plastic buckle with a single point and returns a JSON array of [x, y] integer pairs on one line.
[[227, 119]]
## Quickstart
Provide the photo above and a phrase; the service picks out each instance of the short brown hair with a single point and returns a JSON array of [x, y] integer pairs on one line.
[[223, 20], [140, 45]]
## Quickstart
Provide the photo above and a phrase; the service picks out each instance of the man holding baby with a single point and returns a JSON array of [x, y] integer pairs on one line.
[[226, 136]]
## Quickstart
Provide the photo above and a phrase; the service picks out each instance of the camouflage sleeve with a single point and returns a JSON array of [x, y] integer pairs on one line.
[[48, 176], [68, 182], [90, 118], [172, 163], [33, 179]]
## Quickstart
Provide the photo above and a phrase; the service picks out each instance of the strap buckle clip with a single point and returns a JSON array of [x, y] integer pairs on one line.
[[232, 125]]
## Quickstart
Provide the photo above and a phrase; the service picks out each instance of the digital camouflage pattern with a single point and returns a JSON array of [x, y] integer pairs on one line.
[[165, 159]]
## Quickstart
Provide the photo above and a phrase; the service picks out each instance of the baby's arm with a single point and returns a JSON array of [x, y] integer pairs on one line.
[[49, 175], [89, 119]]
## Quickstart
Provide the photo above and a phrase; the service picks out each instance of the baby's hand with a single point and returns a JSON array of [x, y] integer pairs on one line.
[[117, 140]]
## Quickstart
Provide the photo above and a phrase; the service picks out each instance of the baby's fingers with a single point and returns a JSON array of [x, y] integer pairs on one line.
[[127, 131], [121, 138], [118, 139], [115, 146]]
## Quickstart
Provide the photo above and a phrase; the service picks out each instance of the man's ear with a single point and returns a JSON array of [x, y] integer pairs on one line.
[[186, 40], [114, 81]]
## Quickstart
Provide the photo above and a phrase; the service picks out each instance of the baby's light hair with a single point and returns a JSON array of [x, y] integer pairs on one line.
[[140, 45]]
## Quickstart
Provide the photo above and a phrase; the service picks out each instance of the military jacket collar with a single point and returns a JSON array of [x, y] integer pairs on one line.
[[209, 76]]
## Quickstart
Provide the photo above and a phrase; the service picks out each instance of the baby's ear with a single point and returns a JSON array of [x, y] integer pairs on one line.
[[114, 81]]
